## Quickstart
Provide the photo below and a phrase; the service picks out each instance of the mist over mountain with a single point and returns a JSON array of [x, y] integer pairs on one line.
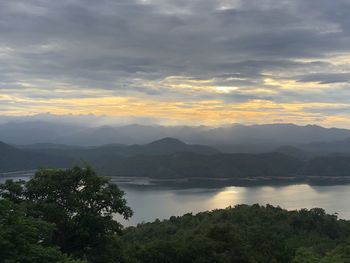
[[35, 156], [296, 152], [170, 158], [274, 134], [39, 155], [36, 132], [96, 155], [313, 149], [231, 138], [338, 146]]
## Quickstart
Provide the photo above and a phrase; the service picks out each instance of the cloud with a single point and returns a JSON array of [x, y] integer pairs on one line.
[[326, 78], [174, 51]]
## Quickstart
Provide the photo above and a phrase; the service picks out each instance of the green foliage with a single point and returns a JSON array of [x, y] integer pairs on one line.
[[81, 206], [341, 254], [305, 255], [241, 234], [13, 191], [26, 239], [67, 216]]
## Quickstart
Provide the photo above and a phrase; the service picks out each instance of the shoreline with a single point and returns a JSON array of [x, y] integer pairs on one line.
[[144, 182], [206, 182]]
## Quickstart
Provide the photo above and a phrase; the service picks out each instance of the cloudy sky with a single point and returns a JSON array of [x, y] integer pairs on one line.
[[178, 61]]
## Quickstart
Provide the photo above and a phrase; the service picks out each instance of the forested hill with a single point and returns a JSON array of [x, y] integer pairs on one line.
[[242, 234], [56, 155], [190, 165], [171, 158], [14, 159], [50, 219]]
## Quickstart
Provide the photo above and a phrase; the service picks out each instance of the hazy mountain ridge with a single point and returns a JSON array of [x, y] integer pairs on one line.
[[171, 158], [36, 132], [14, 159], [191, 165], [293, 150], [98, 155], [159, 147], [232, 138], [296, 152], [314, 149], [337, 146]]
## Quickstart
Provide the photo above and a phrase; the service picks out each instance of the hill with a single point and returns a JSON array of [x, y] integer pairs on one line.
[[296, 152], [14, 159], [338, 146], [331, 166], [172, 158], [191, 165], [110, 152], [167, 146], [39, 218], [241, 234]]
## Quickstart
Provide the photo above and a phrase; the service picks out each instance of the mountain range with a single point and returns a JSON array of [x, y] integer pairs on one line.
[[15, 159], [235, 138], [170, 158], [233, 151], [57, 155]]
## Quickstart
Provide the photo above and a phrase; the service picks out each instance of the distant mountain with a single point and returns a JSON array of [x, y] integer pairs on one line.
[[129, 134], [171, 158], [141, 134], [167, 146], [191, 165], [234, 138], [98, 154], [296, 152], [14, 159], [6, 148], [57, 155], [47, 146], [340, 146], [269, 165], [331, 166], [94, 137], [247, 147], [270, 135], [36, 132]]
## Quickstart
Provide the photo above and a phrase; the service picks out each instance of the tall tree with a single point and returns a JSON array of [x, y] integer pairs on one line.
[[82, 206], [26, 239]]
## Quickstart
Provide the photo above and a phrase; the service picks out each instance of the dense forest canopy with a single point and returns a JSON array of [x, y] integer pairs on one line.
[[68, 216]]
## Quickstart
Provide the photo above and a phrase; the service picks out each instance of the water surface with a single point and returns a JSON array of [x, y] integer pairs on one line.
[[150, 202]]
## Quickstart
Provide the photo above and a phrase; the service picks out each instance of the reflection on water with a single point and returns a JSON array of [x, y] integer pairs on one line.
[[149, 203], [157, 203]]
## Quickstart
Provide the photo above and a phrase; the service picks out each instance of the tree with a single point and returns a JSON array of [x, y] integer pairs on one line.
[[305, 255], [82, 206], [341, 254], [26, 239]]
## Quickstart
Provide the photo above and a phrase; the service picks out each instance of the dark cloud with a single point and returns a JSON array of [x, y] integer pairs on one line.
[[326, 78], [119, 45]]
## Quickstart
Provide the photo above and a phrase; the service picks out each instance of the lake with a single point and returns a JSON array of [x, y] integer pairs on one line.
[[150, 202]]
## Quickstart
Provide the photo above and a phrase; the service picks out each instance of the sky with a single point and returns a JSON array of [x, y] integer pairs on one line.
[[210, 62]]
